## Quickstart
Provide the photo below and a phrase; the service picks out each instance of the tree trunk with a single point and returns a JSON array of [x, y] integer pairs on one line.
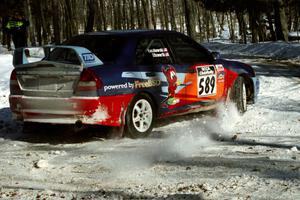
[[242, 26], [103, 14], [213, 27], [137, 7], [172, 15], [231, 26], [161, 15], [91, 4], [98, 17], [125, 18], [181, 22], [207, 25], [38, 29], [153, 16], [280, 21], [220, 18], [289, 14], [55, 20], [254, 25], [31, 30], [145, 5], [40, 24], [43, 23], [296, 21], [189, 18], [71, 25], [117, 15], [165, 14], [271, 28], [131, 13], [200, 24]]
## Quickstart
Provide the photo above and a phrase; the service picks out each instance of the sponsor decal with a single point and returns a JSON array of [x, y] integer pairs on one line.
[[88, 57], [118, 87], [206, 70], [220, 68], [146, 84], [136, 85], [170, 73], [221, 76], [156, 53]]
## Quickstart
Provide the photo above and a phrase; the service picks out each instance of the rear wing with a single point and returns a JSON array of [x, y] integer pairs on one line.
[[73, 55]]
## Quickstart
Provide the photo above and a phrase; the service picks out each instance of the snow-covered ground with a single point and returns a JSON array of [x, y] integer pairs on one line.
[[205, 155]]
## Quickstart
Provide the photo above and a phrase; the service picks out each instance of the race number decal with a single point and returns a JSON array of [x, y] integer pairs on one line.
[[207, 81]]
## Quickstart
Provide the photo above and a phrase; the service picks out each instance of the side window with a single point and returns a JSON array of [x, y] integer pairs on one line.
[[187, 51], [151, 52], [106, 48]]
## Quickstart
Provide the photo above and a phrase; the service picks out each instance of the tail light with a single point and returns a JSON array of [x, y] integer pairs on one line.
[[14, 85], [88, 82]]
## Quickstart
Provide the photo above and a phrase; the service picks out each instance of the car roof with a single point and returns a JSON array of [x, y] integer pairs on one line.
[[134, 33]]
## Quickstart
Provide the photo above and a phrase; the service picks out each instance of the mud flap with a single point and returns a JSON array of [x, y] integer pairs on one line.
[[116, 132]]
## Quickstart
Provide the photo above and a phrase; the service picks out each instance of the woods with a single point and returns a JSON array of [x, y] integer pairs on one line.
[[52, 21]]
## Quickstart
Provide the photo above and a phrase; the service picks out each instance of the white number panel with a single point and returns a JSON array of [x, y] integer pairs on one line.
[[207, 81]]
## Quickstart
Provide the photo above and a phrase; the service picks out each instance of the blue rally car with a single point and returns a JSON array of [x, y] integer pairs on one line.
[[125, 79]]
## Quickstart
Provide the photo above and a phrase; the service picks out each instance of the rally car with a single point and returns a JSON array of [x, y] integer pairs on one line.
[[125, 79]]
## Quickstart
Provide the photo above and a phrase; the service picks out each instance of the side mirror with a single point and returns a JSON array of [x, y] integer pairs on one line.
[[216, 55]]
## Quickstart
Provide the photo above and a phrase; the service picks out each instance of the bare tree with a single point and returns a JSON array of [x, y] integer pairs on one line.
[[172, 15], [91, 5], [280, 21], [71, 27], [189, 18], [57, 20]]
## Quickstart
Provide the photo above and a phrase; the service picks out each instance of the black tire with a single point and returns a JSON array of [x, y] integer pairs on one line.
[[30, 127], [135, 128], [238, 94]]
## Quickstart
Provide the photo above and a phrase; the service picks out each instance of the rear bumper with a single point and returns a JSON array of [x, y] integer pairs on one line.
[[88, 110]]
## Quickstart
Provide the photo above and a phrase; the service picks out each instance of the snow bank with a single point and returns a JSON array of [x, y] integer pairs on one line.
[[274, 50], [5, 70]]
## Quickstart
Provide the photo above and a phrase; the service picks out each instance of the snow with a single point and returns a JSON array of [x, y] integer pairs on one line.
[[294, 34], [5, 70], [275, 50], [220, 155]]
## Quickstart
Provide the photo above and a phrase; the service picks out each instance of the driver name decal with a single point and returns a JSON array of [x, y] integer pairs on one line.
[[156, 53]]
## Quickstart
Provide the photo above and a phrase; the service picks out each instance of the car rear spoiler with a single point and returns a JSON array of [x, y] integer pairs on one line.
[[26, 55]]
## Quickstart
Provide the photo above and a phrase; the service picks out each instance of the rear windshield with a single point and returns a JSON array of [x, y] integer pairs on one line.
[[64, 55], [106, 48]]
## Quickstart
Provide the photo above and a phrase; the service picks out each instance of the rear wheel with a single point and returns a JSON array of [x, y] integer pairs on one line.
[[31, 127], [238, 94], [139, 117]]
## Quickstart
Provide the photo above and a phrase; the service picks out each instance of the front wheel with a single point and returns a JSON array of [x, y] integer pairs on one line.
[[238, 94], [140, 117]]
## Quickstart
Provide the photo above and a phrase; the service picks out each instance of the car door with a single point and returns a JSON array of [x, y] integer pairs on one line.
[[204, 79], [158, 71]]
